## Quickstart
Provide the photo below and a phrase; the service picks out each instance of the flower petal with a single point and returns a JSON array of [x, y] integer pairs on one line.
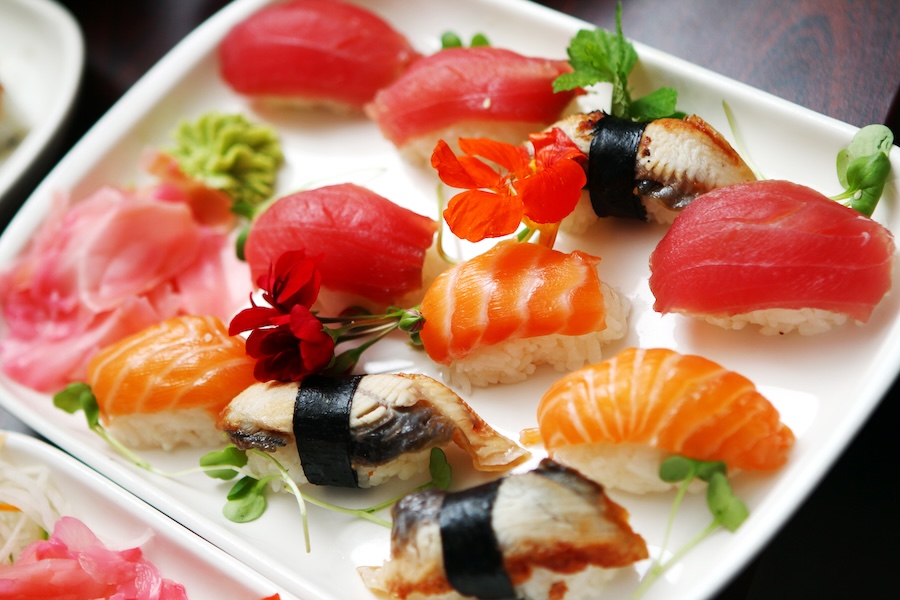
[[252, 318], [551, 194], [514, 159], [462, 172], [551, 147], [475, 215]]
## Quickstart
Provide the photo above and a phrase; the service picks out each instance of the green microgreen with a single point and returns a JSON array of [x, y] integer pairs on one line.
[[355, 323], [246, 500], [78, 396], [600, 56], [739, 141], [451, 40], [863, 168], [728, 511]]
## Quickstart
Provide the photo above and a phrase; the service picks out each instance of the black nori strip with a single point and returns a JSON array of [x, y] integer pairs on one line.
[[322, 429], [611, 161], [473, 563]]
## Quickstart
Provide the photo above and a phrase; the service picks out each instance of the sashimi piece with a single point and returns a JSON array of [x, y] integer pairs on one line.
[[660, 400], [182, 372], [484, 85], [95, 272], [74, 564], [741, 253], [519, 293], [368, 246], [314, 50]]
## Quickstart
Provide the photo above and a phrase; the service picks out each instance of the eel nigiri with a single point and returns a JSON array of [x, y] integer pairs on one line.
[[775, 254], [616, 421], [362, 430], [469, 92], [495, 317], [324, 52], [369, 247], [165, 385], [648, 171], [546, 533]]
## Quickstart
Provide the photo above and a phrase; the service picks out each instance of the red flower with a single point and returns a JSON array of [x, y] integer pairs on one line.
[[293, 280], [293, 349], [286, 339], [543, 189]]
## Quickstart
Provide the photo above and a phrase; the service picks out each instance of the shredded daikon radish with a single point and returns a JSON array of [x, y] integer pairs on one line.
[[29, 506]]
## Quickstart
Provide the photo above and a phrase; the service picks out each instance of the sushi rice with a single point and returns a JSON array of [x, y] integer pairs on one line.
[[514, 360], [403, 467], [777, 321], [191, 427]]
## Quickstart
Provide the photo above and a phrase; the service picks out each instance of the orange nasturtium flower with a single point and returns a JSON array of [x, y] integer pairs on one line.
[[542, 189]]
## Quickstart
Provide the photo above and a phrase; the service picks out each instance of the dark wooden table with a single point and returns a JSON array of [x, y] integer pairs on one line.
[[840, 58]]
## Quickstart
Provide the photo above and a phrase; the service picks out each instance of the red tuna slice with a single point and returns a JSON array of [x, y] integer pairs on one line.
[[771, 244], [469, 84], [368, 245], [317, 50]]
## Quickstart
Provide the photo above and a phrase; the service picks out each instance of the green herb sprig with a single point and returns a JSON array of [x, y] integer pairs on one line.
[[451, 40], [728, 511], [357, 323], [863, 168], [246, 500], [599, 56]]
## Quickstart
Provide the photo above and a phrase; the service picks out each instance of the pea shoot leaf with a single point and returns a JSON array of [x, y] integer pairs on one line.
[[246, 500], [440, 469], [230, 456], [727, 509], [864, 166]]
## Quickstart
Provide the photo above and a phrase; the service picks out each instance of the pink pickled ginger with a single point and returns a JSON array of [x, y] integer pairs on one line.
[[73, 565], [103, 269]]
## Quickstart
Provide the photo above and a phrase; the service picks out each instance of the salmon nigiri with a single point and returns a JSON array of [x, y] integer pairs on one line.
[[617, 420], [166, 384], [495, 317]]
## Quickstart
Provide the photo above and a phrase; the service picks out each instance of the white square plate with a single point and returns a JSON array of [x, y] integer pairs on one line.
[[824, 386]]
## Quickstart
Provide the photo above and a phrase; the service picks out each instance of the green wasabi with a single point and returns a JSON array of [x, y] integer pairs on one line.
[[229, 153]]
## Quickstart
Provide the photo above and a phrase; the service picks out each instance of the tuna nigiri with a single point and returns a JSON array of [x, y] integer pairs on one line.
[[314, 51], [166, 384], [469, 92], [775, 254], [495, 317], [368, 246], [616, 421]]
